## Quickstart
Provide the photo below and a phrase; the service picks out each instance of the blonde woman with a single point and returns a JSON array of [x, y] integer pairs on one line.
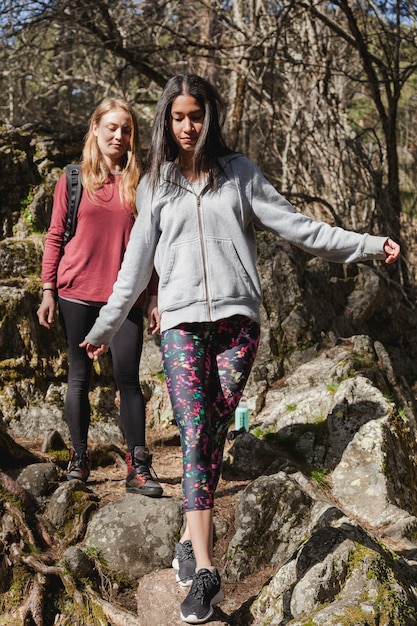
[[82, 279]]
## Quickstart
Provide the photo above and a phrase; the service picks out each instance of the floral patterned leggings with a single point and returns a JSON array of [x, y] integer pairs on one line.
[[206, 368]]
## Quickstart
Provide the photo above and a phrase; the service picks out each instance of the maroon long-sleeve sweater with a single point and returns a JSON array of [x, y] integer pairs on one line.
[[92, 258]]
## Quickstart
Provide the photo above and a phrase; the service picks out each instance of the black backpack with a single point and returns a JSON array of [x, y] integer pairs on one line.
[[75, 189]]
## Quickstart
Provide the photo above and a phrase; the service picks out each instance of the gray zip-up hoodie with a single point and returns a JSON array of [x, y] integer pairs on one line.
[[204, 248]]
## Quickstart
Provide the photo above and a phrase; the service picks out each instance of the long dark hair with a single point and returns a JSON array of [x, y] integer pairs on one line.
[[210, 144]]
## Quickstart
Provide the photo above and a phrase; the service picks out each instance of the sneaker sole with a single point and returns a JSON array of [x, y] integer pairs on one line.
[[71, 476], [193, 619], [184, 582], [151, 492]]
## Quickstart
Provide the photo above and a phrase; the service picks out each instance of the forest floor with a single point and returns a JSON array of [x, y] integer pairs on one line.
[[108, 482]]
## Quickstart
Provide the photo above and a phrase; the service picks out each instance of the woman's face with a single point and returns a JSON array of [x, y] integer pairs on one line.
[[113, 133], [187, 118]]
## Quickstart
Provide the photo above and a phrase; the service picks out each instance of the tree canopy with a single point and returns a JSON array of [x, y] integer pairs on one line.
[[319, 94]]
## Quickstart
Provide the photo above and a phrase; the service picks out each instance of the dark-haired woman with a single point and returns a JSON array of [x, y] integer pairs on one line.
[[199, 203]]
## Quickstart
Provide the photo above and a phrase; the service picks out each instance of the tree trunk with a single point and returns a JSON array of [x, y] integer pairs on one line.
[[13, 455]]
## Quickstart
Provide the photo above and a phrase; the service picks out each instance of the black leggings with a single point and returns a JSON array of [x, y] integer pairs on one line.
[[126, 348]]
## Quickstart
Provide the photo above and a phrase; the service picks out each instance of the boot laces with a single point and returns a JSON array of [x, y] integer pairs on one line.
[[145, 467], [79, 462]]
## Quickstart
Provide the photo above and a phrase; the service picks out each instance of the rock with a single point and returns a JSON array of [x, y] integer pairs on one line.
[[272, 518], [357, 403], [159, 599], [39, 479], [340, 573], [250, 457], [221, 528], [70, 508], [137, 534], [78, 562], [376, 477], [53, 440]]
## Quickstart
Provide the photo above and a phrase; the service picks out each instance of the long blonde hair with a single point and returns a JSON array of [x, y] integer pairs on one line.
[[94, 169]]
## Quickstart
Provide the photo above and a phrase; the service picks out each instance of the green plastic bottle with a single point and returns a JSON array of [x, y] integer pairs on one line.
[[242, 416]]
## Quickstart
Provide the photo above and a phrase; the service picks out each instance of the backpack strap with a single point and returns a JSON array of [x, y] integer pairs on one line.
[[74, 188]]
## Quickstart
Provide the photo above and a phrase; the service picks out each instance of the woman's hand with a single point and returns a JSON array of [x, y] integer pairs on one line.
[[46, 310], [154, 319], [392, 251], [93, 351]]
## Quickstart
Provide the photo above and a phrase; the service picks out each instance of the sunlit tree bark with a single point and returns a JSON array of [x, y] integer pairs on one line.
[[383, 37]]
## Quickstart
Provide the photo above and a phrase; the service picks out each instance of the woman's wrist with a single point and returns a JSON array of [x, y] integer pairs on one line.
[[52, 290]]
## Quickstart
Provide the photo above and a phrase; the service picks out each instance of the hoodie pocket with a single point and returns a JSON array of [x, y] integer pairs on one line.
[[182, 276], [227, 275]]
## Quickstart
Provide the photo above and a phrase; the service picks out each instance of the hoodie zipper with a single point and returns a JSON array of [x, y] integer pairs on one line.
[[203, 252]]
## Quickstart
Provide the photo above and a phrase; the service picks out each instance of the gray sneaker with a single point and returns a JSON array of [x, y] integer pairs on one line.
[[184, 563], [204, 593]]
